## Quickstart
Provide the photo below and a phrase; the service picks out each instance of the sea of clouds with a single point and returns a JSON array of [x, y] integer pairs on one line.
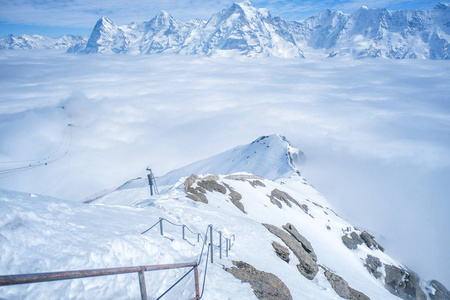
[[375, 132]]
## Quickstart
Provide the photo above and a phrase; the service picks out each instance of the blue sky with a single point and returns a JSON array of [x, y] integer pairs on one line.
[[55, 17]]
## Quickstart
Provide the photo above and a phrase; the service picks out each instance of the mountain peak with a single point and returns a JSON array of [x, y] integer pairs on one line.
[[363, 7], [271, 157], [163, 14], [104, 20], [442, 6], [246, 8]]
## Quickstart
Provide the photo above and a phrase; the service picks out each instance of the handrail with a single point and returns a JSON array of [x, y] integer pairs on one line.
[[52, 276]]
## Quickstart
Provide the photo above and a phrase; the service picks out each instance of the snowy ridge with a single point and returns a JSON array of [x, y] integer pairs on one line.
[[41, 42], [271, 157], [253, 32], [39, 234]]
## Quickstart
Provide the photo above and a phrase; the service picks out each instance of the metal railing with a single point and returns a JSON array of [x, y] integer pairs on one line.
[[210, 229], [43, 277]]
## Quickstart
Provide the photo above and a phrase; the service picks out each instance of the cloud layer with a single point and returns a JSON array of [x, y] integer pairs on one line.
[[375, 132]]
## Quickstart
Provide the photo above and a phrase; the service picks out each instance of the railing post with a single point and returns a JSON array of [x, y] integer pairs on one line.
[[142, 285], [211, 243], [220, 244], [197, 284], [226, 247], [183, 231], [161, 226]]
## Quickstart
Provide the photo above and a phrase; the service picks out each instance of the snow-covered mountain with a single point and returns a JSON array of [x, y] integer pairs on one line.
[[253, 32], [41, 42], [271, 157], [241, 28], [287, 241], [379, 33]]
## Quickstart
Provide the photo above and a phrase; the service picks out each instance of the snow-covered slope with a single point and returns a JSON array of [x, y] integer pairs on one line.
[[41, 42], [322, 255], [271, 157]]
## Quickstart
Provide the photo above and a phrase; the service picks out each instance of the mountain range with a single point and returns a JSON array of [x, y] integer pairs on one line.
[[246, 30], [287, 241]]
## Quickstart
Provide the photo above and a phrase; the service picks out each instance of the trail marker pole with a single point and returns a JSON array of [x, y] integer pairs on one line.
[[220, 244], [226, 247], [161, 226], [212, 245]]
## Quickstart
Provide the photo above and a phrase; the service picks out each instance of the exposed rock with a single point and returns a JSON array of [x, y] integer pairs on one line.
[[212, 186], [372, 264], [402, 283], [196, 194], [304, 242], [318, 205], [283, 196], [305, 208], [198, 197], [256, 183], [276, 202], [266, 286], [370, 242], [342, 289], [307, 266], [189, 182], [281, 251], [439, 292], [328, 227], [235, 198], [353, 241]]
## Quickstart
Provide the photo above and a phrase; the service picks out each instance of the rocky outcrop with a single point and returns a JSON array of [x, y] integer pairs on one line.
[[276, 196], [256, 183], [235, 198], [438, 291], [356, 239], [372, 264], [307, 266], [370, 242], [403, 283], [305, 208], [300, 238], [212, 186], [341, 287], [198, 193], [266, 286], [281, 251], [353, 241]]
